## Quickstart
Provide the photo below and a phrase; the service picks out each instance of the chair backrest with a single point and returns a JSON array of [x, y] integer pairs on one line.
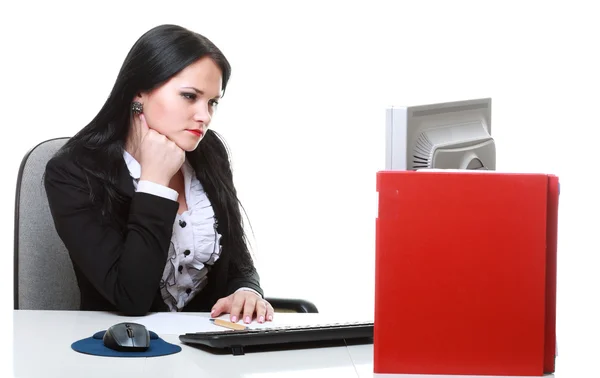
[[44, 276]]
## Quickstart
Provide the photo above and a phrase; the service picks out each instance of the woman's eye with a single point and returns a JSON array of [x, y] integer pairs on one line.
[[189, 96], [214, 102]]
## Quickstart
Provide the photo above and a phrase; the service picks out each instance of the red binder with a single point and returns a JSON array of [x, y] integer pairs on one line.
[[465, 273]]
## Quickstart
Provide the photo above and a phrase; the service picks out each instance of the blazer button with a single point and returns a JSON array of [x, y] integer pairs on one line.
[[180, 268], [188, 290], [186, 252], [182, 223]]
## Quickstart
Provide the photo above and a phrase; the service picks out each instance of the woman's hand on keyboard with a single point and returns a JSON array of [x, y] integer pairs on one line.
[[244, 305]]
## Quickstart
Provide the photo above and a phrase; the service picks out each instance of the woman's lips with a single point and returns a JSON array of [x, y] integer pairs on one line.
[[195, 132]]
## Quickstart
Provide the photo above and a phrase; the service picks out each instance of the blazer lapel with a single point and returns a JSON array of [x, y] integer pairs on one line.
[[125, 183]]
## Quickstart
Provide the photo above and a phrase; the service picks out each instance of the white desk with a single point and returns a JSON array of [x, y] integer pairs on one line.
[[42, 348]]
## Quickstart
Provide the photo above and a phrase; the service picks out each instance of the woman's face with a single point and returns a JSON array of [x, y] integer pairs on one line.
[[181, 109]]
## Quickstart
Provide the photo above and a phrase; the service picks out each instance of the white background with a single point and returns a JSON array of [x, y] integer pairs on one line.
[[304, 116]]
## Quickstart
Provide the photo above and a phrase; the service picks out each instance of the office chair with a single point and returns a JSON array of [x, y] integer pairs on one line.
[[43, 273]]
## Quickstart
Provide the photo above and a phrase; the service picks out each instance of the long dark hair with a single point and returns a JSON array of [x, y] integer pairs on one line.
[[159, 54]]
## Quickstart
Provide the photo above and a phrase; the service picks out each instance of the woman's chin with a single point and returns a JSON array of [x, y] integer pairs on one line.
[[187, 146]]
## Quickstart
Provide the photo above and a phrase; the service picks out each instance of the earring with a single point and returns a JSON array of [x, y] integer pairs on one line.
[[136, 107]]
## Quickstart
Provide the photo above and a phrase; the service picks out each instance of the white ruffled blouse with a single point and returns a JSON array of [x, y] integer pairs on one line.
[[195, 242]]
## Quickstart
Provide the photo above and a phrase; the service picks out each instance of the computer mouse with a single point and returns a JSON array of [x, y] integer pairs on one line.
[[127, 337]]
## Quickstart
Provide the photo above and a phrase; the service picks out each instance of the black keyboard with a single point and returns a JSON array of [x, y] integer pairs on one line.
[[357, 332]]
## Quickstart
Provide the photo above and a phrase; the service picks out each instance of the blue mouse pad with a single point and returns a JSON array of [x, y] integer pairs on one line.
[[95, 346]]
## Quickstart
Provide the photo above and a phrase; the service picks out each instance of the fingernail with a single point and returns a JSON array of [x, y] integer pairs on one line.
[[247, 319], [234, 318], [261, 319], [270, 317]]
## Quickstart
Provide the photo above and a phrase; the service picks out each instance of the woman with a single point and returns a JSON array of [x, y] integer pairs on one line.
[[143, 196]]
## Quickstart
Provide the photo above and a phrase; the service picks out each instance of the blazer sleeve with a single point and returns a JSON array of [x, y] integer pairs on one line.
[[237, 280], [125, 268]]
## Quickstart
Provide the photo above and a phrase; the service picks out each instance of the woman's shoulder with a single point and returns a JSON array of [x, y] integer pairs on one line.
[[61, 162], [64, 161], [67, 164]]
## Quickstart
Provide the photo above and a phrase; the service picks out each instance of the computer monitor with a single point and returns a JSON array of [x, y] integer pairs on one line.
[[451, 135]]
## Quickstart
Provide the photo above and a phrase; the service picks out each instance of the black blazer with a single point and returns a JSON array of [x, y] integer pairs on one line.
[[119, 266]]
